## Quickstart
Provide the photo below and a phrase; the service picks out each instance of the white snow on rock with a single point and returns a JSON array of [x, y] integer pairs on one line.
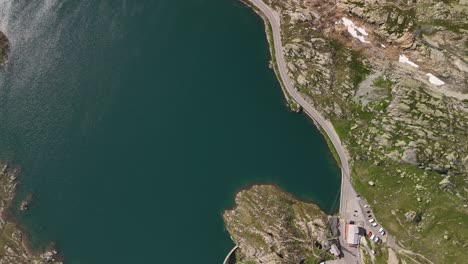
[[362, 31], [434, 80], [405, 59], [356, 32]]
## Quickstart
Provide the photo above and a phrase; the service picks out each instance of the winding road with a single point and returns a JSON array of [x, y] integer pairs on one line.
[[351, 255]]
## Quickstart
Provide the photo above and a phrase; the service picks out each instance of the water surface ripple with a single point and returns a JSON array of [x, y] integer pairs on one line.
[[136, 122]]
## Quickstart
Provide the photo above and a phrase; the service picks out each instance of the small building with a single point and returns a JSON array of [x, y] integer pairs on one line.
[[335, 250], [352, 235]]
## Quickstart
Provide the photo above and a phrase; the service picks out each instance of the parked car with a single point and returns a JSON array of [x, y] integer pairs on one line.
[[373, 252], [382, 231], [369, 234], [376, 239], [371, 220], [366, 206], [372, 237], [374, 224]]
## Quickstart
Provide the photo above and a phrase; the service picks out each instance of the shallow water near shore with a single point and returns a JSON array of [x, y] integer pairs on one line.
[[136, 122]]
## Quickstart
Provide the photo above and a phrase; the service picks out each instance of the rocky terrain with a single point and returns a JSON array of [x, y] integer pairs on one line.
[[392, 78], [12, 245], [270, 226]]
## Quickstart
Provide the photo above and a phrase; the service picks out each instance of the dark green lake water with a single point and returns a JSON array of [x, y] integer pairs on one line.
[[136, 122]]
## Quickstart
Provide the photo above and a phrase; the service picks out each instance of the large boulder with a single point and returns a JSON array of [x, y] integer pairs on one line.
[[410, 216], [410, 156]]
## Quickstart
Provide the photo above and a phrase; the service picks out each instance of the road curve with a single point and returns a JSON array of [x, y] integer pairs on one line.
[[226, 260], [347, 191], [325, 124]]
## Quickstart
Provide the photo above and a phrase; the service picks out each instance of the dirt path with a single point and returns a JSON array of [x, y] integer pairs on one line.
[[392, 258]]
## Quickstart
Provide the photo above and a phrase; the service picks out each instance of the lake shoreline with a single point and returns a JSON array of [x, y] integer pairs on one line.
[[15, 238]]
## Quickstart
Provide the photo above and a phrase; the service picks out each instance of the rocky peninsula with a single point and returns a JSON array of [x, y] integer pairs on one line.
[[270, 226], [392, 77]]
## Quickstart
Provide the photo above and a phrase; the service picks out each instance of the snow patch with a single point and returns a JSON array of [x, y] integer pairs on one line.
[[405, 59], [434, 80], [356, 32]]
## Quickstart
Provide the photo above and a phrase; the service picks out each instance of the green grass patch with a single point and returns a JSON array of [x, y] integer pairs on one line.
[[359, 71], [381, 254], [383, 82], [457, 28], [6, 237], [440, 213], [331, 147], [342, 127], [293, 106]]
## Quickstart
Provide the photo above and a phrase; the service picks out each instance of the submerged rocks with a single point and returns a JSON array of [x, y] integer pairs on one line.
[[24, 205], [270, 226], [4, 49]]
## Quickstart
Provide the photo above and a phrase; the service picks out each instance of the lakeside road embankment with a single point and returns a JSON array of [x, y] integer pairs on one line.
[[347, 191]]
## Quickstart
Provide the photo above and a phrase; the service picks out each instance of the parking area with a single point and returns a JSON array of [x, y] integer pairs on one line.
[[361, 214], [373, 229]]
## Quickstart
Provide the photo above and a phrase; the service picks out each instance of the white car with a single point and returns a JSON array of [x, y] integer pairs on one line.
[[373, 252], [376, 239], [371, 220], [374, 224], [372, 237], [382, 231], [366, 206]]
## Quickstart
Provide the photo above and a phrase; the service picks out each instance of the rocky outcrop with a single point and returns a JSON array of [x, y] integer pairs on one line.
[[13, 249], [270, 226], [4, 49]]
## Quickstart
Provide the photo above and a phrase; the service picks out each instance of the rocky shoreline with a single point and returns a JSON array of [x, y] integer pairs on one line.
[[14, 248]]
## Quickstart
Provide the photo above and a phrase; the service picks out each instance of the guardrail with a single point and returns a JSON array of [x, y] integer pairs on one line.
[[226, 260]]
